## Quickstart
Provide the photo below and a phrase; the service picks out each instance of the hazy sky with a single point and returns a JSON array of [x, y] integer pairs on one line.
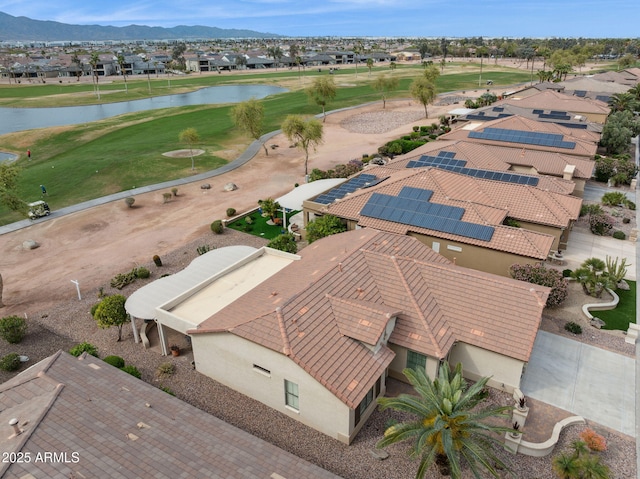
[[394, 18]]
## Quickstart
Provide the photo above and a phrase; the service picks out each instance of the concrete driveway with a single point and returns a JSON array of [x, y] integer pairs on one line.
[[590, 382]]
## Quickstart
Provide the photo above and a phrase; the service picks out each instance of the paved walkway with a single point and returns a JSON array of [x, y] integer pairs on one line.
[[596, 384]]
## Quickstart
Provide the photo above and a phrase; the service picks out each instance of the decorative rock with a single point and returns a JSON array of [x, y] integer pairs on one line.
[[597, 323], [206, 186], [379, 454], [623, 285], [29, 244], [230, 187]]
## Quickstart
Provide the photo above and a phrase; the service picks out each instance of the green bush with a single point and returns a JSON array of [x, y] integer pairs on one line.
[[129, 201], [142, 272], [566, 273], [614, 198], [121, 280], [132, 370], [115, 361], [166, 369], [217, 227], [285, 242], [88, 348], [619, 235], [590, 209], [167, 390], [631, 205], [93, 309], [157, 260], [231, 212], [324, 226], [202, 249], [572, 327], [13, 329], [249, 220], [10, 362]]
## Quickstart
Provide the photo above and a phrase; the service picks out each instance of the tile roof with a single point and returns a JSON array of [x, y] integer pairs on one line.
[[586, 142], [484, 202], [364, 277], [553, 100], [120, 426], [501, 158]]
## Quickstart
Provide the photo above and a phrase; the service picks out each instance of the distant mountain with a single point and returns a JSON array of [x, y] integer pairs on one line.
[[25, 29]]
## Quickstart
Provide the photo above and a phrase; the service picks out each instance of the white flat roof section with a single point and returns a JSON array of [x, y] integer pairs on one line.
[[143, 303], [293, 200]]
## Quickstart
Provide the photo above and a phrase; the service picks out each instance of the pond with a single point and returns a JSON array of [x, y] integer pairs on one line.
[[19, 119]]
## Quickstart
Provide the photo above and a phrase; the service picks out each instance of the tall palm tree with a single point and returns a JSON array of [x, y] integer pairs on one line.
[[450, 426], [121, 61], [95, 59]]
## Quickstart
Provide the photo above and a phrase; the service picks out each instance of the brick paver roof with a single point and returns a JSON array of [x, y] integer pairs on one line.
[[332, 306], [120, 426]]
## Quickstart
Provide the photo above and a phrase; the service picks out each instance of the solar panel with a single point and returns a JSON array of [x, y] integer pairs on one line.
[[498, 108], [492, 175], [423, 214], [525, 137], [580, 93], [340, 191], [443, 158], [604, 98]]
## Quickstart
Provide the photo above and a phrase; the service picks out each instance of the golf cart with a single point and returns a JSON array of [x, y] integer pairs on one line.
[[38, 209]]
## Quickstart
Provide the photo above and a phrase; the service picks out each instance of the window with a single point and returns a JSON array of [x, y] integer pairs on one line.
[[291, 396], [367, 400], [416, 360]]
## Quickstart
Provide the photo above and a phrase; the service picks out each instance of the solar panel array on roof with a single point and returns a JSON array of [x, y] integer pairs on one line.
[[481, 116], [604, 98], [526, 137], [555, 116], [580, 93], [578, 126], [498, 108], [443, 158], [494, 175], [410, 208], [350, 186]]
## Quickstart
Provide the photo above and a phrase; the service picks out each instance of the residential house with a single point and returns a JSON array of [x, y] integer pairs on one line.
[[81, 417], [468, 219], [316, 339], [566, 174]]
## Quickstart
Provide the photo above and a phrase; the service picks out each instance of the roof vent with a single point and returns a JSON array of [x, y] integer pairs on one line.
[[16, 428]]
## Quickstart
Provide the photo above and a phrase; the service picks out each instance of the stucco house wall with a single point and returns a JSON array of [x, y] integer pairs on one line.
[[505, 372], [260, 373]]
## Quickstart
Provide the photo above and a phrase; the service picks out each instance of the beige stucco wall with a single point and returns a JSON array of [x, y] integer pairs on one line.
[[475, 257], [399, 363], [476, 362], [230, 360]]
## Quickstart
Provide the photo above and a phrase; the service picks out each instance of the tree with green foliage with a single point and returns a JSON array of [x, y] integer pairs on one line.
[[95, 59], [304, 134], [321, 92], [592, 277], [269, 208], [627, 61], [248, 116], [9, 175], [385, 85], [190, 136], [111, 312], [369, 64], [75, 59], [324, 226], [450, 427], [424, 91], [177, 56], [431, 73], [276, 53], [285, 242], [121, 63]]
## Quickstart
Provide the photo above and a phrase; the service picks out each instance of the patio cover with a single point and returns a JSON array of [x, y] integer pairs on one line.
[[143, 303], [460, 111], [293, 200]]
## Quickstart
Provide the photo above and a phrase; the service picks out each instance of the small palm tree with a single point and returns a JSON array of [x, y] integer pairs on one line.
[[449, 427]]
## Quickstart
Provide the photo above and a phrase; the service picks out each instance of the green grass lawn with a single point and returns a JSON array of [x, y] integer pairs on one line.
[[624, 313], [259, 226], [86, 161]]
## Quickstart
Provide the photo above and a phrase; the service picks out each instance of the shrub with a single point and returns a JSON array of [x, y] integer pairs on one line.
[[129, 200], [247, 228], [538, 274], [231, 212], [511, 222], [626, 220], [166, 369], [631, 205], [593, 440], [121, 280], [572, 327], [13, 329], [600, 224], [167, 390], [132, 370], [174, 191], [88, 348], [157, 260], [202, 249], [115, 361], [590, 209], [324, 226], [111, 312], [93, 309], [10, 362], [285, 242], [619, 235], [249, 220], [166, 197], [142, 272], [217, 227], [614, 198], [566, 273]]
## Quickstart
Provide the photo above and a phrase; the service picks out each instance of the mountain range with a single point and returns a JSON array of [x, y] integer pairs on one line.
[[26, 29]]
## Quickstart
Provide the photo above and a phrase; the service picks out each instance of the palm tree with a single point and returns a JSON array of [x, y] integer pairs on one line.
[[449, 427], [121, 61], [369, 64], [95, 59]]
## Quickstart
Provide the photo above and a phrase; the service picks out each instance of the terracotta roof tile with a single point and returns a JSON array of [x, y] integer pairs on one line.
[[552, 100], [379, 275]]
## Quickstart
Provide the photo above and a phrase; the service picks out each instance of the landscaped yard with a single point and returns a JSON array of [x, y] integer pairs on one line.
[[624, 314], [260, 226]]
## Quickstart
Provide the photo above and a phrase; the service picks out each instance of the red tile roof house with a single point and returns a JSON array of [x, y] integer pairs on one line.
[[82, 418], [545, 217], [566, 174], [317, 339]]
